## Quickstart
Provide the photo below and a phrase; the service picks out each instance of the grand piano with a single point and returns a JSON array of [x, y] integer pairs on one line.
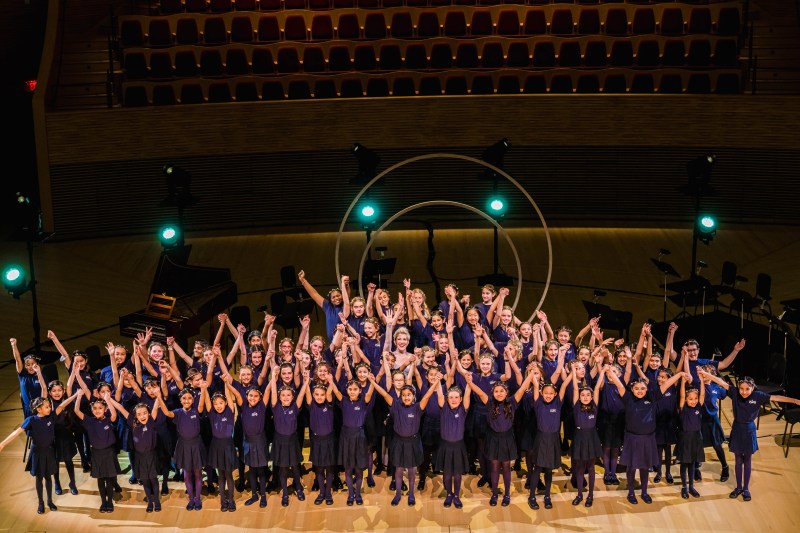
[[199, 293]]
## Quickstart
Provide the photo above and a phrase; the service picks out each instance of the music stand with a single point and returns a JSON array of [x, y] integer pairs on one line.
[[667, 270], [377, 268], [611, 318], [289, 318]]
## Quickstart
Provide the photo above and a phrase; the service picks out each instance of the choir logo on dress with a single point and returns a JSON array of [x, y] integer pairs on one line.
[[590, 417], [144, 429], [224, 419], [410, 415], [193, 417], [254, 413], [696, 412], [324, 409], [553, 410], [667, 394], [356, 408], [752, 402], [646, 402], [106, 427]]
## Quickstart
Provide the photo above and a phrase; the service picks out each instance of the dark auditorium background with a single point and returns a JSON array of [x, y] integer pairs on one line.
[[275, 176]]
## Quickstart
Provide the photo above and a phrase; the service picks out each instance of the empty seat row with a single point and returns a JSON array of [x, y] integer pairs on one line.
[[562, 81], [408, 23], [223, 6], [438, 54]]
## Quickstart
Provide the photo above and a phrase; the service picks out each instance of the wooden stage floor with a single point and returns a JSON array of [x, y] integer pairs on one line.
[[775, 505]]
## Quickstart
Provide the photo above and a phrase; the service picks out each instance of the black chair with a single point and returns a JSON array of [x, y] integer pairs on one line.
[[792, 417], [774, 382]]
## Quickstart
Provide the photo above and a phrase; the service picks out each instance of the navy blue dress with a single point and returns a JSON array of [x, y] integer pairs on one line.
[[42, 455], [745, 411], [639, 450]]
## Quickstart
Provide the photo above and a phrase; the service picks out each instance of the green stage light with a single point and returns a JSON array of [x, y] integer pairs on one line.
[[367, 211], [170, 236], [497, 206], [706, 228], [14, 280]]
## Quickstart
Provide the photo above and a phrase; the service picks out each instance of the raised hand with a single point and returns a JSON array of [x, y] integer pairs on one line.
[[241, 329], [503, 291], [109, 347], [268, 319], [51, 334], [342, 319], [13, 341], [542, 316], [673, 327], [407, 283], [222, 318], [371, 287], [170, 341], [301, 276], [619, 342], [740, 345], [273, 335], [305, 320]]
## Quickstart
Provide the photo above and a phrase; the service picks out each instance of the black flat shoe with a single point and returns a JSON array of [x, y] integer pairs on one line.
[[694, 492], [40, 509], [412, 501], [685, 493], [548, 504], [73, 489], [657, 478], [589, 501], [319, 499], [285, 501], [532, 504], [646, 498], [578, 499], [328, 500], [395, 501], [457, 502], [632, 499], [370, 482], [669, 478], [359, 500], [506, 501], [482, 482], [735, 493], [725, 474], [746, 495], [392, 485], [493, 500], [251, 500]]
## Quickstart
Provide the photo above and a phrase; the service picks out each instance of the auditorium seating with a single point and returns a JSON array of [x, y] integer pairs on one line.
[[220, 51]]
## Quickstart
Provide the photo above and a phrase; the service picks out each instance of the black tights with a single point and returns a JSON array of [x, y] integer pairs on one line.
[[258, 479], [532, 481], [666, 460], [581, 467], [494, 468], [105, 486], [354, 477], [398, 480], [325, 480], [283, 475], [452, 484], [548, 480], [225, 484], [630, 475], [687, 474], [150, 489], [743, 468], [70, 472], [48, 484]]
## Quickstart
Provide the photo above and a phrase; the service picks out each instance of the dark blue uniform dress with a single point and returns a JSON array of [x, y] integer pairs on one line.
[[667, 417], [29, 388], [586, 444], [41, 457], [65, 444], [145, 443], [546, 444], [611, 418], [190, 452], [222, 452], [530, 427], [451, 455], [713, 435], [255, 452], [745, 411], [285, 446], [322, 435], [103, 442], [165, 441], [353, 452], [500, 442], [640, 449], [406, 446], [690, 439]]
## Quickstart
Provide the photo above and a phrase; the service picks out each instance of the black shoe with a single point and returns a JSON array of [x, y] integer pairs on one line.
[[448, 501], [693, 492], [251, 500], [589, 501], [40, 509], [370, 481], [132, 480], [149, 508], [482, 482], [301, 495], [698, 476], [646, 498], [178, 476], [198, 504], [614, 479], [164, 489], [632, 499], [395, 501], [57, 489], [73, 489], [746, 495], [315, 486], [548, 503], [735, 493], [231, 506], [319, 499], [157, 506], [263, 502], [329, 500], [102, 509], [392, 485], [360, 501], [86, 466], [532, 503], [117, 488], [669, 478], [211, 489], [421, 484], [412, 501], [239, 486], [379, 468], [725, 474], [578, 499], [285, 500], [528, 483], [493, 500], [685, 493], [457, 502], [506, 501], [657, 478]]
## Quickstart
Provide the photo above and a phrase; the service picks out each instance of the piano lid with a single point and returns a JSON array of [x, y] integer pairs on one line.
[[175, 278]]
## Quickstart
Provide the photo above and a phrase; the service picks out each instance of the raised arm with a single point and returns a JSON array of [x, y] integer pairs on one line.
[[114, 406], [423, 403], [565, 384], [523, 388], [77, 407], [674, 379], [14, 434], [63, 405], [305, 390], [42, 382], [161, 405], [344, 285], [17, 357], [728, 361], [477, 390], [374, 385], [173, 348], [644, 337], [312, 292], [586, 329], [333, 390], [492, 316], [614, 379], [60, 347], [370, 304], [669, 353], [233, 395]]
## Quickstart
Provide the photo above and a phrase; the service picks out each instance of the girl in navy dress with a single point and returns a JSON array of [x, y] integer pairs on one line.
[[190, 452], [42, 462], [611, 418], [322, 436], [31, 382], [353, 453], [64, 445], [713, 435], [666, 422], [286, 452], [639, 451], [501, 447], [102, 439], [406, 449], [690, 442], [145, 437], [546, 453], [255, 447], [586, 447], [451, 455], [222, 452], [336, 302], [165, 442], [747, 402]]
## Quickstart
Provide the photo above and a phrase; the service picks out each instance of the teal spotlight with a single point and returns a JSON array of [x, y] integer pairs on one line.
[[170, 236], [706, 228], [14, 280], [497, 206]]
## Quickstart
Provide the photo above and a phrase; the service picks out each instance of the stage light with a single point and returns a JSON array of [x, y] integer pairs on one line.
[[700, 167], [706, 228], [170, 236], [367, 164], [368, 214], [497, 206], [367, 211], [14, 280], [494, 155], [179, 187]]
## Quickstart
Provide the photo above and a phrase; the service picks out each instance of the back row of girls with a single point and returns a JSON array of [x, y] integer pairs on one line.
[[371, 389]]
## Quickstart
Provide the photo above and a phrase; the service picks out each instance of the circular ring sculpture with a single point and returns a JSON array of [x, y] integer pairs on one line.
[[453, 204], [463, 158]]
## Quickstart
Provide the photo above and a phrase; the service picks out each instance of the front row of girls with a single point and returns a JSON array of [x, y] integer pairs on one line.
[[592, 413]]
